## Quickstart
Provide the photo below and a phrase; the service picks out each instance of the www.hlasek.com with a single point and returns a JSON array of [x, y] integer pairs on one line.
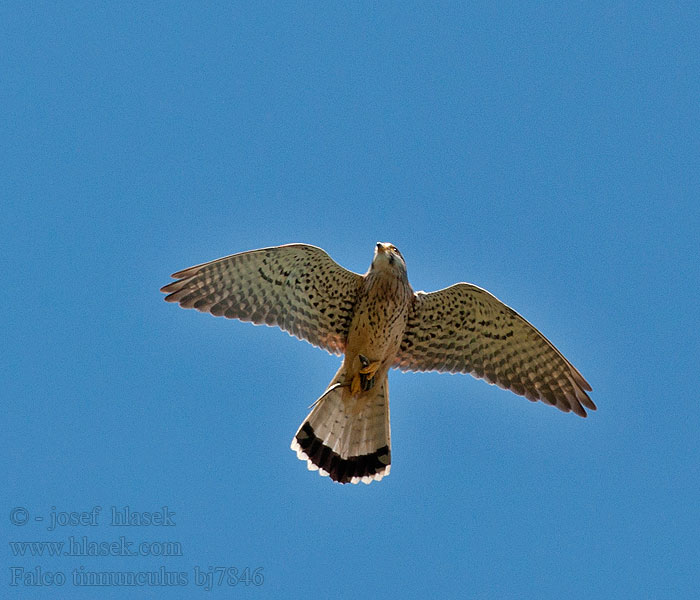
[[207, 579], [83, 546]]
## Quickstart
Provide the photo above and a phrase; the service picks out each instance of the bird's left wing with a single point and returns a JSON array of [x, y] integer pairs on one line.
[[465, 329], [296, 287]]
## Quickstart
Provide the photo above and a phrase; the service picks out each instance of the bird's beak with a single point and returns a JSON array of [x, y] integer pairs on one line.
[[381, 248]]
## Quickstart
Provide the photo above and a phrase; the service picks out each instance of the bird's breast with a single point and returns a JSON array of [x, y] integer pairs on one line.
[[377, 326]]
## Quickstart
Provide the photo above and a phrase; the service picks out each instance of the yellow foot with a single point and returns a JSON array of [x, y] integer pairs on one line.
[[368, 368], [356, 385], [365, 378]]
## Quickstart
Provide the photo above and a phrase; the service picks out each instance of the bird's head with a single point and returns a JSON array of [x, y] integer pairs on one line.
[[387, 256]]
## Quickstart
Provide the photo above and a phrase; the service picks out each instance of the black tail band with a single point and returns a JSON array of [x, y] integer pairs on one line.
[[342, 470]]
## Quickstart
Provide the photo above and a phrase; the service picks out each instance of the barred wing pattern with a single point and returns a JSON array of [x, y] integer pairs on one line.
[[296, 287], [465, 329]]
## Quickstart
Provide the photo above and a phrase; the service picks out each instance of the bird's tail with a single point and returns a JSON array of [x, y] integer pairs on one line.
[[345, 443]]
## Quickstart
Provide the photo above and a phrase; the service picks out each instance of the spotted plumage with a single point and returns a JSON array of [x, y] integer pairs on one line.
[[377, 322]]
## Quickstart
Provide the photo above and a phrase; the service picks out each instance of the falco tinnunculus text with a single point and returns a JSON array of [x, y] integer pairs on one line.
[[377, 322]]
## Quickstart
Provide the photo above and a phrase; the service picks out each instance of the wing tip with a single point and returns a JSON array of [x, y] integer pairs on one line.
[[188, 272], [167, 288], [175, 286], [580, 403]]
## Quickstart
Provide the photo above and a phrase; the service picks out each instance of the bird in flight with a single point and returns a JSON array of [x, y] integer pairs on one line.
[[377, 322]]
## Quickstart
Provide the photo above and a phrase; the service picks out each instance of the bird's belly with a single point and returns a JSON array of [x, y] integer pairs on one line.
[[375, 333]]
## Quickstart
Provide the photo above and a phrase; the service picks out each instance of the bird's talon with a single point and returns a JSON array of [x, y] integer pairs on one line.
[[365, 380], [368, 367], [356, 385]]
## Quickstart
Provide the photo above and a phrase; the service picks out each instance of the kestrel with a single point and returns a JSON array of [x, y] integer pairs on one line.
[[378, 322]]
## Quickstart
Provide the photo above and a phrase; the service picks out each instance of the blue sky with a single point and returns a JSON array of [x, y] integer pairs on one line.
[[548, 152]]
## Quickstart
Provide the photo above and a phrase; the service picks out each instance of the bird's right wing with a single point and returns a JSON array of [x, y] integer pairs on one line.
[[296, 287], [464, 329]]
